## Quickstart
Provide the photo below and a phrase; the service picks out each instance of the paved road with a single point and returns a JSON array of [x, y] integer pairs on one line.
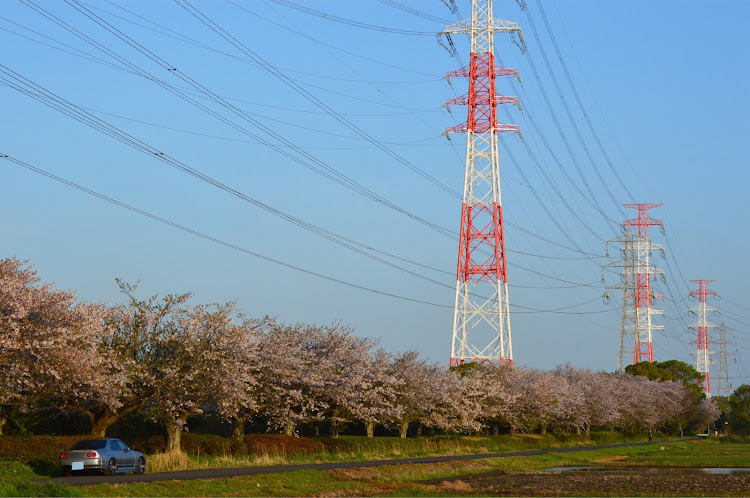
[[81, 480]]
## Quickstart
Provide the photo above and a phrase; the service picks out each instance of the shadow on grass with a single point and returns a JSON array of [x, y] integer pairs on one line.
[[44, 467], [25, 488]]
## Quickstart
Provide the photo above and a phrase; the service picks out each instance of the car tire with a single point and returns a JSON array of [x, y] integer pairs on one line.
[[111, 467], [141, 467]]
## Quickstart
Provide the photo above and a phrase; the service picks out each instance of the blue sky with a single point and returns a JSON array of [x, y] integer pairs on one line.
[[663, 84]]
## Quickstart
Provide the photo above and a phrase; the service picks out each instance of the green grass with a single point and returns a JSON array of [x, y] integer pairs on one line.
[[15, 480], [352, 448], [300, 483], [401, 480]]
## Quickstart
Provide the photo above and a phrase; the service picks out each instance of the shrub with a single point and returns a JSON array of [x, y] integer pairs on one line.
[[41, 453]]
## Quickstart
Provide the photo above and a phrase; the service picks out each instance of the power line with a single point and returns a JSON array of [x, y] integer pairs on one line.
[[577, 96], [221, 101], [350, 22], [561, 310], [208, 237]]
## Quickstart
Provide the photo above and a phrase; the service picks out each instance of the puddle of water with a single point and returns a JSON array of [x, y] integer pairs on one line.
[[574, 468], [653, 470]]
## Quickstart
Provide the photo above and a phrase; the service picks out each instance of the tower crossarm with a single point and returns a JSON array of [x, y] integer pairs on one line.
[[493, 26], [706, 325], [465, 72], [643, 221], [501, 127], [500, 99], [698, 309], [656, 247]]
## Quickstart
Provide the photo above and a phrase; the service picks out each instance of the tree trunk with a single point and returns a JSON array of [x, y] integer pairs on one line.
[[544, 429], [403, 428], [370, 426], [512, 430], [99, 425], [174, 433], [578, 430], [334, 428], [3, 421], [496, 429], [419, 429], [588, 429], [317, 429], [238, 432], [174, 437], [289, 428]]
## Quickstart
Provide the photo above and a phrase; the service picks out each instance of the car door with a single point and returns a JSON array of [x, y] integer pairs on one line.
[[124, 458]]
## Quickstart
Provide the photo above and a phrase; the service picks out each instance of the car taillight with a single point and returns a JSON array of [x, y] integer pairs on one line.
[[64, 455], [92, 454]]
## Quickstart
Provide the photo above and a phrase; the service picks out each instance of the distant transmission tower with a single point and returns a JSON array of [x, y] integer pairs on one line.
[[627, 283], [703, 355], [644, 294], [724, 385], [481, 322]]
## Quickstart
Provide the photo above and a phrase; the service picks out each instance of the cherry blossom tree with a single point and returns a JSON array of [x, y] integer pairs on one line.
[[128, 353], [46, 338], [371, 400], [238, 398], [603, 403], [414, 395], [199, 345], [456, 400], [342, 362], [289, 378], [575, 399], [499, 395]]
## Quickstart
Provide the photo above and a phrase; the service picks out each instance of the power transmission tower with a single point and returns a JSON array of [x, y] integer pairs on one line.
[[723, 364], [644, 294], [703, 355], [629, 322], [481, 318]]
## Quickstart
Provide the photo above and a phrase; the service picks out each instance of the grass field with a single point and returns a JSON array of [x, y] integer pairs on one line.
[[467, 478]]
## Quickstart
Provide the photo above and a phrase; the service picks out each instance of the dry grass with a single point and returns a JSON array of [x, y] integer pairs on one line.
[[613, 458], [456, 485], [169, 462]]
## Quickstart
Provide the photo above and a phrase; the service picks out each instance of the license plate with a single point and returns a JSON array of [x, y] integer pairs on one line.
[[76, 466]]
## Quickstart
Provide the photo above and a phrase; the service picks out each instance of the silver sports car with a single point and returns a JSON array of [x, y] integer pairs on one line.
[[108, 456]]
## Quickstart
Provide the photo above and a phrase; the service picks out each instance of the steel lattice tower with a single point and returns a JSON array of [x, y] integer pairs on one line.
[[481, 323], [643, 247], [723, 384], [703, 355], [629, 321]]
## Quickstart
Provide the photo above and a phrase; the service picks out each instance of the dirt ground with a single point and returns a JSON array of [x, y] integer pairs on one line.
[[593, 484]]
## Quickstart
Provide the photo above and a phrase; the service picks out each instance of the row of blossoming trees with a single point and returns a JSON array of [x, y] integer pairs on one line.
[[176, 360]]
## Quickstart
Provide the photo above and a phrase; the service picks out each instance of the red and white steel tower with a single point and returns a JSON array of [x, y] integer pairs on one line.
[[702, 325], [644, 270], [481, 323]]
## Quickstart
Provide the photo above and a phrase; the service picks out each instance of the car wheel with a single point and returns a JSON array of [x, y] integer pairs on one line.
[[111, 467], [141, 468]]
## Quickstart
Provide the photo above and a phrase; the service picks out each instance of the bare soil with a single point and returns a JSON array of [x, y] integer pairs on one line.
[[593, 484]]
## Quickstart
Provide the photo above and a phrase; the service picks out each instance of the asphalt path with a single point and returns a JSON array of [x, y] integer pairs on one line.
[[80, 480]]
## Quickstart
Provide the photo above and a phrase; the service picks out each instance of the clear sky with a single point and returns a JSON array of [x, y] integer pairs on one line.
[[329, 114]]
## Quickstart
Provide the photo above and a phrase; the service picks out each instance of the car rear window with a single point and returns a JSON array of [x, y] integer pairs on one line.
[[90, 444]]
